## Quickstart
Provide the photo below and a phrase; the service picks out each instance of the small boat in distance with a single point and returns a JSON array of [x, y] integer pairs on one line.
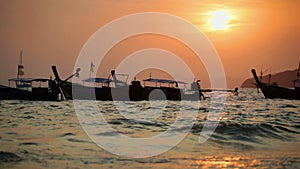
[[272, 91]]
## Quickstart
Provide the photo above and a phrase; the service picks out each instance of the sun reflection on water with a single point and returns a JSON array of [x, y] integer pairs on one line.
[[225, 162]]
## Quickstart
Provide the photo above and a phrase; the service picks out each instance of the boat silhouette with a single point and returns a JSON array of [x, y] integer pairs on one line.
[[21, 88], [169, 90], [24, 89], [272, 91]]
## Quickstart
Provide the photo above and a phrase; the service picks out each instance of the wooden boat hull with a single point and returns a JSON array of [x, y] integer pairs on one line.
[[95, 93], [137, 92], [272, 91], [39, 94], [80, 92]]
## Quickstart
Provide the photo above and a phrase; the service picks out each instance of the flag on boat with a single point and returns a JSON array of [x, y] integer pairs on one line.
[[20, 72], [20, 66], [92, 67]]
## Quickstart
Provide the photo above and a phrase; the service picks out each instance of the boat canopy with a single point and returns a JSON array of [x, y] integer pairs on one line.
[[98, 80], [104, 80], [28, 80], [163, 81]]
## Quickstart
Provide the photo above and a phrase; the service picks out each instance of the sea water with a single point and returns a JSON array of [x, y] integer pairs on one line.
[[253, 132]]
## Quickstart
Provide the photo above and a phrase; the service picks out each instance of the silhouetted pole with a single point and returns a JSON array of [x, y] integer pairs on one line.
[[298, 72], [270, 76]]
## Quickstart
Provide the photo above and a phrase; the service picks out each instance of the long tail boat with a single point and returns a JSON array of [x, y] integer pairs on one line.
[[272, 91], [170, 89], [161, 89], [21, 88], [30, 89]]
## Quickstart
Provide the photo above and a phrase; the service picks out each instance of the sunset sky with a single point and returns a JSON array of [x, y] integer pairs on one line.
[[246, 34]]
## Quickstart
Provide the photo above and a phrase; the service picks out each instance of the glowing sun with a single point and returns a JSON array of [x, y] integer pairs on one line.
[[219, 20]]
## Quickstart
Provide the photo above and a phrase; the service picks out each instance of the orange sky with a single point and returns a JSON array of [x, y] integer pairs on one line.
[[262, 32]]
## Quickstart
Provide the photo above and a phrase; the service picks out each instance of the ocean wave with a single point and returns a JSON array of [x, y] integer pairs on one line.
[[249, 132]]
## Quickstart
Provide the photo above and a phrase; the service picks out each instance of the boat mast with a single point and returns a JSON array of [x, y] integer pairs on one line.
[[261, 73], [298, 71], [92, 69], [270, 75], [19, 65]]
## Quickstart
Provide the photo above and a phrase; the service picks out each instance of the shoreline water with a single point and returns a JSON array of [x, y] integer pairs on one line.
[[253, 132]]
